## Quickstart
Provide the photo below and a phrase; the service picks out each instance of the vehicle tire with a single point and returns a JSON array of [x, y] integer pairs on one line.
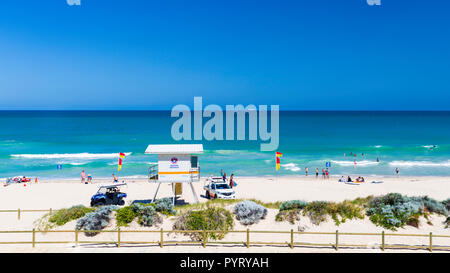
[[207, 195], [121, 202], [92, 204], [215, 196], [101, 203]]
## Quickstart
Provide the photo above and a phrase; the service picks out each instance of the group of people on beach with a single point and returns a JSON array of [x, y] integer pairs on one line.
[[231, 182], [83, 178], [325, 172], [349, 179], [89, 178]]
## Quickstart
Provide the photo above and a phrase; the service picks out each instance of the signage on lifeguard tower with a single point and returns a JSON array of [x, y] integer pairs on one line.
[[178, 162]]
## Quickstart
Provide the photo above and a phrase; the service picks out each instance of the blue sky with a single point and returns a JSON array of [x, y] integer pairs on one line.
[[305, 55]]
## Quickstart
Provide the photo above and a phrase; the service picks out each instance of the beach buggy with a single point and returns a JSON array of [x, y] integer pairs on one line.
[[108, 195]]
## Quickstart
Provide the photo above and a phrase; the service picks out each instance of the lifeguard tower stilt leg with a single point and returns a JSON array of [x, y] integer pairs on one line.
[[156, 193], [193, 193]]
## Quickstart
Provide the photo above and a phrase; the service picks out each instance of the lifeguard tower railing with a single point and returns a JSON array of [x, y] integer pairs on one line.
[[153, 173]]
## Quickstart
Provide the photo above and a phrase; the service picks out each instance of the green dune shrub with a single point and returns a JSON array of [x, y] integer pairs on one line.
[[248, 212], [164, 206], [291, 215], [63, 216], [393, 210], [96, 220], [446, 203], [434, 206], [293, 204], [125, 215], [317, 211], [211, 218], [346, 210], [147, 215]]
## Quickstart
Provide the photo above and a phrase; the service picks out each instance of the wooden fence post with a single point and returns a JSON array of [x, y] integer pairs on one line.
[[431, 241], [34, 237], [51, 211], [76, 238], [204, 238], [18, 214], [337, 240], [248, 238], [382, 240], [161, 244], [118, 237], [292, 238]]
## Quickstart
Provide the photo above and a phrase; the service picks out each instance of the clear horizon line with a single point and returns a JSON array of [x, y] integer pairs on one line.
[[166, 110]]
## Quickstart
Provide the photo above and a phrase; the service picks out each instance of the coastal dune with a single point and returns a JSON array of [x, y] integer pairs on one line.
[[55, 194], [65, 193]]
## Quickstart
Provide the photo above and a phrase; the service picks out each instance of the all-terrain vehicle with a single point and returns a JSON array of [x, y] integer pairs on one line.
[[108, 195]]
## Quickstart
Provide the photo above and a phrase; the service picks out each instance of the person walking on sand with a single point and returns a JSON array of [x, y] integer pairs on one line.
[[232, 180], [83, 176], [306, 171]]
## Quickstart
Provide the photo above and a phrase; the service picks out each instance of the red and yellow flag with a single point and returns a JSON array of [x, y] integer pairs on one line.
[[121, 156], [277, 156]]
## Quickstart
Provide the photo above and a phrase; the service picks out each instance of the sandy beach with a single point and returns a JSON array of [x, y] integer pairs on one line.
[[54, 194]]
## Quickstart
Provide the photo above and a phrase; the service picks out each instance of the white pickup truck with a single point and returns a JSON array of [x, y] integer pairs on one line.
[[216, 188]]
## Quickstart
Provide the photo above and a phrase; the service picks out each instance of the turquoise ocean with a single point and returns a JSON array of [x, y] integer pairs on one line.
[[34, 143]]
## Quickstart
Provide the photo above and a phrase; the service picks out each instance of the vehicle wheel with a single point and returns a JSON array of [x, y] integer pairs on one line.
[[207, 195], [92, 204], [215, 196], [101, 203], [121, 202]]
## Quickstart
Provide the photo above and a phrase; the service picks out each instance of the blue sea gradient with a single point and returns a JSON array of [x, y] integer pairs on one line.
[[33, 143]]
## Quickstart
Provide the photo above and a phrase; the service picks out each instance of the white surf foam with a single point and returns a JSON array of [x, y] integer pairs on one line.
[[65, 156], [291, 167], [420, 164], [352, 163]]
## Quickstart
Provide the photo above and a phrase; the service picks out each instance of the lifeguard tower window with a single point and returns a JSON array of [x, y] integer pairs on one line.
[[194, 161]]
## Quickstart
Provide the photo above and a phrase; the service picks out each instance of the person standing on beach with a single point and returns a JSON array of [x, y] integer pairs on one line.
[[221, 172], [232, 180], [327, 173], [323, 173], [115, 178], [224, 177], [306, 171], [317, 173], [83, 176], [397, 171], [89, 178]]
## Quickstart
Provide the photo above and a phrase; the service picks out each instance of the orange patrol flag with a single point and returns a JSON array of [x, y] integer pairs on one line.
[[121, 156], [277, 156]]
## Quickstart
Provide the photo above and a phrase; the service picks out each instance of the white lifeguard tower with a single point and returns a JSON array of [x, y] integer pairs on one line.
[[177, 164]]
